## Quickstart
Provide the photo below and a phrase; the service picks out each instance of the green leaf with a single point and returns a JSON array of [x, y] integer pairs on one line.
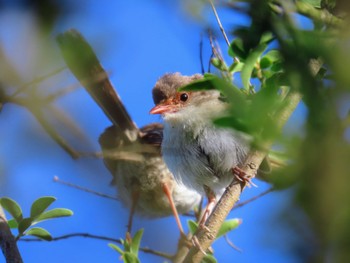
[[228, 226], [236, 67], [237, 49], [116, 248], [12, 207], [130, 258], [314, 3], [40, 205], [209, 259], [192, 226], [136, 240], [24, 225], [12, 223], [250, 64], [54, 213], [40, 233]]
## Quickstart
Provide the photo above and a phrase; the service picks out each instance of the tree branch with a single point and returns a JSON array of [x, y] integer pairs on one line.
[[87, 235], [7, 241]]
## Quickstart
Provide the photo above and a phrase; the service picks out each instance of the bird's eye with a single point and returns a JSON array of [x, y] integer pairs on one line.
[[183, 97]]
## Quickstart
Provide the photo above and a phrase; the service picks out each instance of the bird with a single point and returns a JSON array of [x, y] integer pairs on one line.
[[199, 154], [132, 155]]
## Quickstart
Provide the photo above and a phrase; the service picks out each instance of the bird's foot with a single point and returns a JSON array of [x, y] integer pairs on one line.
[[242, 176]]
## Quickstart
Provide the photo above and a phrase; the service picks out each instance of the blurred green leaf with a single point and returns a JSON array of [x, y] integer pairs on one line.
[[40, 205], [228, 226], [208, 258], [192, 226], [136, 240], [54, 213], [12, 207], [250, 64], [116, 248], [12, 223], [129, 257], [40, 233], [237, 49], [236, 67], [314, 3]]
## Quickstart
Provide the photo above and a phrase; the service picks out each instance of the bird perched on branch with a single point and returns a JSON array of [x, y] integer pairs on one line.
[[132, 155], [202, 156]]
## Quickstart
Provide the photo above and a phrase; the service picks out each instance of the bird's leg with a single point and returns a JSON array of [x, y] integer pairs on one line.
[[167, 192], [210, 206], [242, 176], [134, 199]]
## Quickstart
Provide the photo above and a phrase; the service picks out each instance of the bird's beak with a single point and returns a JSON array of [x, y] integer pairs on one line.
[[164, 107]]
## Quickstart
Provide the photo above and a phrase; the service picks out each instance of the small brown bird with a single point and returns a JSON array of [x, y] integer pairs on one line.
[[132, 155], [200, 155]]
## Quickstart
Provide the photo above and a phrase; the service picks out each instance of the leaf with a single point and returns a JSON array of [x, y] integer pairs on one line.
[[40, 233], [237, 49], [12, 223], [136, 240], [130, 258], [54, 213], [250, 64], [12, 207], [228, 226], [236, 67], [314, 3], [192, 226], [116, 248], [209, 259], [40, 205], [24, 225]]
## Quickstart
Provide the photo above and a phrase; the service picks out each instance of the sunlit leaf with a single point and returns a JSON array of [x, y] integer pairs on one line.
[[136, 240], [192, 226], [228, 226], [40, 233], [250, 64], [209, 259], [12, 223], [40, 205], [116, 248], [314, 3], [130, 258], [12, 207], [54, 213]]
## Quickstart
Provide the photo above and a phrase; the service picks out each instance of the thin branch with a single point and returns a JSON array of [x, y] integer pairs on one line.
[[230, 243], [240, 204], [36, 81], [219, 23], [87, 235], [7, 241], [57, 180]]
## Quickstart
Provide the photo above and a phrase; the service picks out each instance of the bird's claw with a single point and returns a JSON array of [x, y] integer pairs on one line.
[[242, 176]]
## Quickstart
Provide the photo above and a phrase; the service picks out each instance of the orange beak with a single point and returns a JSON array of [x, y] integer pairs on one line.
[[165, 107]]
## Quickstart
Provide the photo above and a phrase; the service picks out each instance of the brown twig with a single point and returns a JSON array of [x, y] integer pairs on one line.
[[219, 22], [240, 204], [57, 180], [87, 235]]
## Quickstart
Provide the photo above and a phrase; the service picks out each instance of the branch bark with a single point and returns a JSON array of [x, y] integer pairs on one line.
[[7, 241]]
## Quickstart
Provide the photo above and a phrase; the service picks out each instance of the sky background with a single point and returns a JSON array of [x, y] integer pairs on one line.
[[137, 42]]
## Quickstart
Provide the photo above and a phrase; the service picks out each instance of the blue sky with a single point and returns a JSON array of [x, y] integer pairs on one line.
[[137, 41]]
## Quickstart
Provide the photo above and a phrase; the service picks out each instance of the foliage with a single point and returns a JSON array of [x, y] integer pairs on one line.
[[38, 213], [131, 247]]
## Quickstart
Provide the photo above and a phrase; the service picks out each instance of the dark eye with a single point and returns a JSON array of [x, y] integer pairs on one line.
[[183, 97]]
